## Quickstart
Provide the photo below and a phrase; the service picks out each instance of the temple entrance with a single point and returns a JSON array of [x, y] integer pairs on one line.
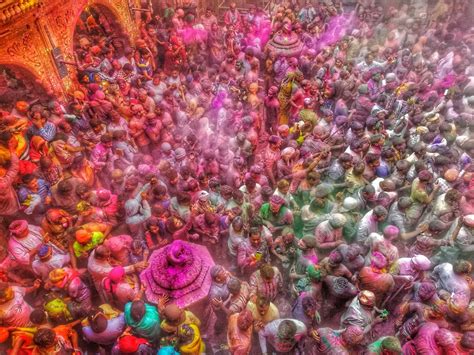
[[18, 84], [98, 37]]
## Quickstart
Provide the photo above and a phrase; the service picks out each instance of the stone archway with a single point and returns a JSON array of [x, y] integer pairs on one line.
[[63, 24], [40, 39], [18, 83]]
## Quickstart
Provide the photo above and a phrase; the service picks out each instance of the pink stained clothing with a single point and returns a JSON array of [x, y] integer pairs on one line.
[[240, 341], [119, 247], [99, 156], [100, 269], [424, 342], [258, 286], [123, 293], [16, 312], [8, 199], [19, 248], [326, 236]]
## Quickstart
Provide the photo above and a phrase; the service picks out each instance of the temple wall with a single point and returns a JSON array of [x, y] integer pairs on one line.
[[31, 34]]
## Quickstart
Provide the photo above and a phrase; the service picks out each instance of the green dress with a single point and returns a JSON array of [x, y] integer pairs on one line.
[[149, 326]]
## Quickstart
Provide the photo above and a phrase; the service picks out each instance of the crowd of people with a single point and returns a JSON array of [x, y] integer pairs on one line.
[[322, 153]]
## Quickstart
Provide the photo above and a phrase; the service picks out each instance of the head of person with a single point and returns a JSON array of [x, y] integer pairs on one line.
[[308, 242], [263, 304], [97, 321], [335, 258], [337, 221], [45, 338], [353, 335], [380, 213], [267, 272], [275, 203], [391, 346], [462, 267], [234, 286], [218, 274], [255, 237], [286, 331], [367, 298], [391, 232], [173, 314], [245, 320]]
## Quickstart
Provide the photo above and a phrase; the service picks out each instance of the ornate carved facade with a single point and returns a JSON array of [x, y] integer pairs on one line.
[[36, 32]]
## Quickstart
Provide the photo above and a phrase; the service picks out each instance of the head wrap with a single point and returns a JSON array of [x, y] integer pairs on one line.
[[421, 262], [18, 227], [44, 250], [57, 275], [180, 153], [349, 204], [83, 236]]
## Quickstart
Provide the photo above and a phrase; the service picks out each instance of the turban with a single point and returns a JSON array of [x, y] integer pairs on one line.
[[421, 262], [349, 204], [44, 250], [83, 236], [103, 194], [18, 227], [57, 275]]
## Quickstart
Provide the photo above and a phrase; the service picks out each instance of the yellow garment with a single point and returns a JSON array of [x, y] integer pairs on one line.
[[268, 317], [108, 311], [189, 318], [196, 346]]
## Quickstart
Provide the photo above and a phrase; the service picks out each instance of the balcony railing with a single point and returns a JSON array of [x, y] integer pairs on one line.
[[11, 9]]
